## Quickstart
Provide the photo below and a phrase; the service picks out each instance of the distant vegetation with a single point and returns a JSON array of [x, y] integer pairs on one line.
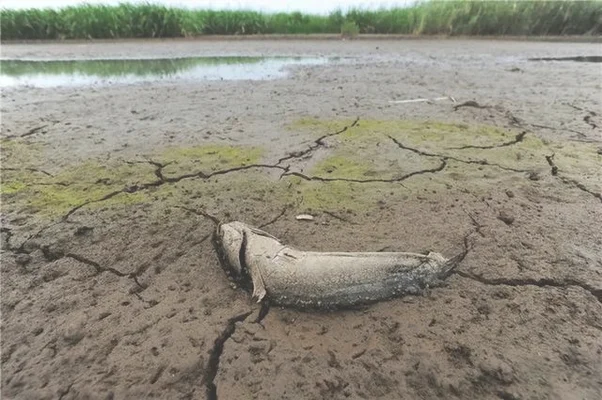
[[423, 18]]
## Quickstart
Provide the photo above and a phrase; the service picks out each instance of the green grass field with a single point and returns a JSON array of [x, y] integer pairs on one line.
[[460, 17]]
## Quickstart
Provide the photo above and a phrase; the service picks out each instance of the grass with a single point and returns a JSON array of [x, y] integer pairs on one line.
[[459, 17]]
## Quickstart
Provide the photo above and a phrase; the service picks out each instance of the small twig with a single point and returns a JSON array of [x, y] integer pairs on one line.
[[469, 103]]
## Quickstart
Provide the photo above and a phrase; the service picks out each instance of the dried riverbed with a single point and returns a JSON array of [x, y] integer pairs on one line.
[[111, 288]]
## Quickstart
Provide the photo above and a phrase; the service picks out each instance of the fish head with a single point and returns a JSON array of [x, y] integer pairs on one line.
[[230, 241]]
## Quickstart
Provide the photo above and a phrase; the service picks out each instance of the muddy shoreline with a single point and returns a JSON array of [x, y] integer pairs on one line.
[[111, 287]]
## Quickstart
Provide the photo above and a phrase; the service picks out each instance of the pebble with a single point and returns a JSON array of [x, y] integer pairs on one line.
[[23, 259], [74, 333]]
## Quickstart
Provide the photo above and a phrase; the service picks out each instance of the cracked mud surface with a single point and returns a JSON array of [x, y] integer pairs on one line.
[[111, 288]]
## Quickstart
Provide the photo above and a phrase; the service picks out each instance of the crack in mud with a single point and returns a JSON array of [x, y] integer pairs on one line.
[[455, 261], [158, 167], [518, 123], [64, 393], [440, 168], [99, 269], [319, 142], [475, 223], [550, 160], [275, 219], [541, 282], [216, 352], [343, 219], [105, 197], [517, 139], [490, 164], [587, 59], [30, 132], [581, 109], [9, 234], [163, 180], [135, 276], [569, 181], [581, 134], [513, 120], [41, 171], [580, 186], [588, 120], [445, 157], [216, 221], [21, 247], [63, 184], [33, 130]]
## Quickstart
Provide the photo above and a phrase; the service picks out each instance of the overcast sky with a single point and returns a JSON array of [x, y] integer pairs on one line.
[[311, 6]]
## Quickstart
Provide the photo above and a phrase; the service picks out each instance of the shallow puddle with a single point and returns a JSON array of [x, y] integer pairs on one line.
[[587, 59], [126, 71]]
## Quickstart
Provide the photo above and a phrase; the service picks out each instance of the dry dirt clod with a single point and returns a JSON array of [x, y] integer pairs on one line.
[[22, 259], [469, 103], [506, 218], [73, 334]]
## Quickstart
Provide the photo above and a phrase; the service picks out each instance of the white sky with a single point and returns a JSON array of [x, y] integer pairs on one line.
[[310, 6]]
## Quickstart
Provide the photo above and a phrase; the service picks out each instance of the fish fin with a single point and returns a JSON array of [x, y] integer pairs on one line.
[[259, 291], [437, 257], [263, 233]]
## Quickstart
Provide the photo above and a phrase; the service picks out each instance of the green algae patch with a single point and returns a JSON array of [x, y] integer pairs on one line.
[[19, 153], [478, 158], [249, 192], [363, 153], [578, 159], [12, 186], [340, 195], [89, 182], [74, 186], [120, 174], [316, 127], [206, 159], [371, 142], [339, 166]]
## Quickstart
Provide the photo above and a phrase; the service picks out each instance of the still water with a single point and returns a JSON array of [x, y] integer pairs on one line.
[[127, 71]]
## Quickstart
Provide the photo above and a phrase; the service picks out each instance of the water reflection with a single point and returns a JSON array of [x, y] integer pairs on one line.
[[121, 71]]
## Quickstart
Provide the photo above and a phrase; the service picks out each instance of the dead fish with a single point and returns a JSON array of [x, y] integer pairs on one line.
[[290, 277]]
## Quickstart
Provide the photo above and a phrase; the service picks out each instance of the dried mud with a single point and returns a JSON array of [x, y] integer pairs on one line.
[[111, 287]]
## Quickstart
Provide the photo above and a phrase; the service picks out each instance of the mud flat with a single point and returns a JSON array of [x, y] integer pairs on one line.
[[111, 287]]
